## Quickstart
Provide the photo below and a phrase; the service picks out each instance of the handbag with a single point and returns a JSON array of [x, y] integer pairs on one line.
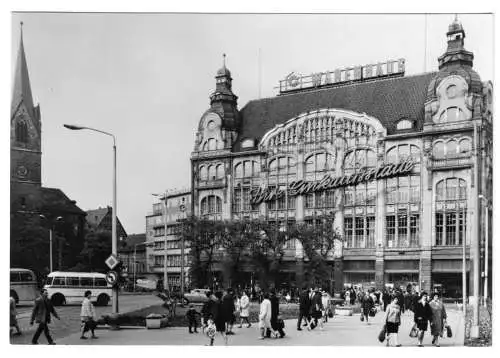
[[449, 333], [414, 331], [330, 313], [381, 335], [362, 318]]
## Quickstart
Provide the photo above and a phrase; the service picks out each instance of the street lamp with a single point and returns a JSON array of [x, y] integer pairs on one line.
[[114, 243], [51, 228], [486, 248], [165, 272]]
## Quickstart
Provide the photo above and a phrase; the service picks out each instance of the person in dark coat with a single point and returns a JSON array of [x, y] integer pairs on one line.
[[401, 300], [422, 315], [42, 311], [367, 305], [438, 321], [206, 310], [352, 296], [218, 317], [386, 299], [275, 311], [316, 308], [228, 310], [304, 306]]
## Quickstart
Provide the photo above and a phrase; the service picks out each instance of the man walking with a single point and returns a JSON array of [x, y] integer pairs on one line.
[[88, 316], [41, 314], [304, 306]]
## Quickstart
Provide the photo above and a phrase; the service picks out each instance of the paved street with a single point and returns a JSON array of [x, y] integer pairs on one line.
[[70, 317], [339, 331]]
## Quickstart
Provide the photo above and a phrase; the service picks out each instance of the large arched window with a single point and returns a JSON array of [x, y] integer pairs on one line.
[[319, 162], [211, 144], [282, 166], [247, 169], [402, 197], [359, 201], [451, 212], [21, 132], [452, 114], [211, 205]]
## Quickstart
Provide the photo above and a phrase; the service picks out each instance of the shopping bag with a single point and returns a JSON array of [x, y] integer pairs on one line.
[[362, 318], [449, 334], [381, 335], [372, 312], [414, 331], [330, 313]]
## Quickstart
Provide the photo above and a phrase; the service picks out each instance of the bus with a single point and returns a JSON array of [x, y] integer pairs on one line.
[[69, 287], [23, 285]]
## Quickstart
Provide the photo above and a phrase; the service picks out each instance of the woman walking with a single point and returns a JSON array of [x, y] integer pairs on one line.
[[219, 317], [423, 314], [367, 305], [244, 309], [265, 316], [438, 320], [392, 321]]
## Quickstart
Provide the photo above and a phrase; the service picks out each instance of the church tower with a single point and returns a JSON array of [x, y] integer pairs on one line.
[[25, 138]]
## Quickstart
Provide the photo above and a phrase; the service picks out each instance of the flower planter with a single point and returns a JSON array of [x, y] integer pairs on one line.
[[156, 321]]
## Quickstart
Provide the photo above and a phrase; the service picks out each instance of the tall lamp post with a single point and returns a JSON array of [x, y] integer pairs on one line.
[[51, 229], [165, 271], [114, 243], [486, 244]]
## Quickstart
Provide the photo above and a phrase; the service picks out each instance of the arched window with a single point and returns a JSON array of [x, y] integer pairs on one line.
[[464, 146], [452, 114], [438, 150], [212, 144], [220, 171], [21, 132], [211, 205], [319, 162], [392, 155], [211, 172], [238, 170], [404, 124], [203, 173], [451, 211], [273, 167], [451, 148]]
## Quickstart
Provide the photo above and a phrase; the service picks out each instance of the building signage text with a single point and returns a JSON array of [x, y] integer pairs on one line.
[[295, 81], [302, 187]]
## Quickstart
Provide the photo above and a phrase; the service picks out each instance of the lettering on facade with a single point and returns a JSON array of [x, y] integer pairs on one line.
[[302, 187], [295, 81]]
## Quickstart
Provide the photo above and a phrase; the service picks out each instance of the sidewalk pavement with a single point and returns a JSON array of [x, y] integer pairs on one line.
[[339, 331]]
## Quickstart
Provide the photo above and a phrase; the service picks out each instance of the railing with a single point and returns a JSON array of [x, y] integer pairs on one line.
[[464, 161]]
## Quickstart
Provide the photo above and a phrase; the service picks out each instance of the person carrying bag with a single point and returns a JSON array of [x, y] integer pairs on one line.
[[392, 321], [87, 316]]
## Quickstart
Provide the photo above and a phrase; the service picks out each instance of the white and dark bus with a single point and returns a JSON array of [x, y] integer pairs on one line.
[[23, 285], [69, 287]]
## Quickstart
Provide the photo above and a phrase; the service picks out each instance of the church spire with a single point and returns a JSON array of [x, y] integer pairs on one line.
[[21, 92]]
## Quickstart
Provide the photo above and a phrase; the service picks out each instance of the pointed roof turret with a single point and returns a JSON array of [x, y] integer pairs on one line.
[[456, 53], [22, 88]]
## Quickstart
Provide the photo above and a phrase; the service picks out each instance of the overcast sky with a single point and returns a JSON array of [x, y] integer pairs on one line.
[[147, 78]]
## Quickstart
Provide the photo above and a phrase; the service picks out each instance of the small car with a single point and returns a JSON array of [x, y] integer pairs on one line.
[[197, 295]]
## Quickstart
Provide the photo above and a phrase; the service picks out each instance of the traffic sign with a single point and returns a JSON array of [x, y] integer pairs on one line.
[[112, 277], [112, 261]]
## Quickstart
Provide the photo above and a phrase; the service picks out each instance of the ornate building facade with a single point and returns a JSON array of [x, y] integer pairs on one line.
[[400, 163]]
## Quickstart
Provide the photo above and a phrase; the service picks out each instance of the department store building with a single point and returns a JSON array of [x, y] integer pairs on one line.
[[402, 163]]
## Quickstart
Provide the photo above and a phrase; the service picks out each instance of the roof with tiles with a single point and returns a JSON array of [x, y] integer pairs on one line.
[[388, 100], [56, 201]]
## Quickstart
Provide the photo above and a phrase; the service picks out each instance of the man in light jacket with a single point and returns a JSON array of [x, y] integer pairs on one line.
[[88, 316]]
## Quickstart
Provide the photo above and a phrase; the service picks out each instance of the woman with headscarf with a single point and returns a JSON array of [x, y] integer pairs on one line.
[[392, 322], [423, 314], [438, 320]]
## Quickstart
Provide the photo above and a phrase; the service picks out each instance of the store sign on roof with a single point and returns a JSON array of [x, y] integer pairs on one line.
[[297, 82]]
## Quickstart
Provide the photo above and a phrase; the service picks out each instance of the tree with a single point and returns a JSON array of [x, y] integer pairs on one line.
[[96, 249], [318, 243]]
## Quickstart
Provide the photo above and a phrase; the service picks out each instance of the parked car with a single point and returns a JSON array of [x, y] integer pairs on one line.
[[197, 295]]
